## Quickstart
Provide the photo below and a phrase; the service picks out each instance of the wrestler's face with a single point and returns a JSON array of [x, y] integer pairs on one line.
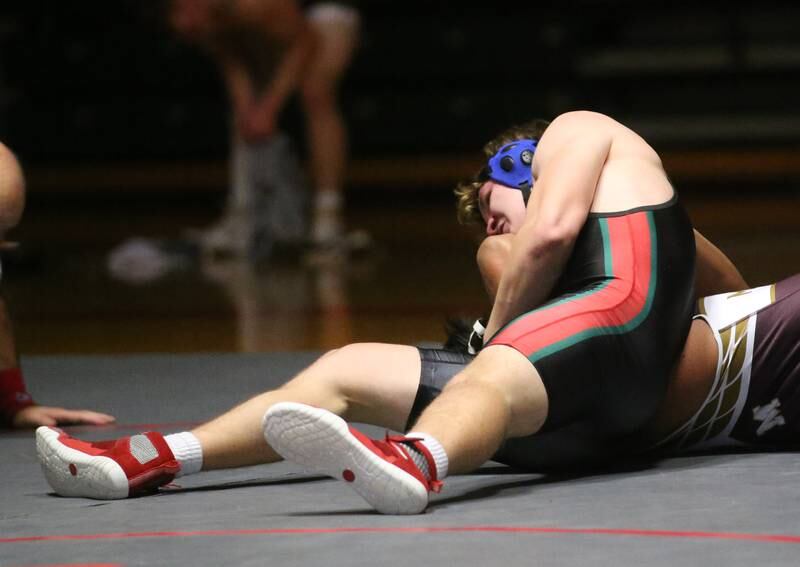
[[502, 208]]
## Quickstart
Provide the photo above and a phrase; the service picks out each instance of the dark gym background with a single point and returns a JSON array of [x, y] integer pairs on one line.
[[123, 131]]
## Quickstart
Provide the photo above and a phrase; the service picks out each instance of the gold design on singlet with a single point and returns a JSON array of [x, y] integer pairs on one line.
[[739, 293], [719, 407]]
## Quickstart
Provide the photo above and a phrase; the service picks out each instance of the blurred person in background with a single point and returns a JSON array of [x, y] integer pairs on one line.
[[17, 408], [267, 50]]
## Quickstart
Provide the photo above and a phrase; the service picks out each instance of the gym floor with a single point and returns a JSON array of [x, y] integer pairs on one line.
[[212, 333]]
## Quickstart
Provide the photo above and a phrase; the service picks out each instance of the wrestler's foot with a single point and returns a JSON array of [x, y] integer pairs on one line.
[[106, 470], [382, 472]]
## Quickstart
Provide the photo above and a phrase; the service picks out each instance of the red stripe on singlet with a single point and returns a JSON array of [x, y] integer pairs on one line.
[[612, 305]]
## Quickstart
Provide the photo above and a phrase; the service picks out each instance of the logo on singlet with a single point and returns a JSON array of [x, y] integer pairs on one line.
[[769, 416]]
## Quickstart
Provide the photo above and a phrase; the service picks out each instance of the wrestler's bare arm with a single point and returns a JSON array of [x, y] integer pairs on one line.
[[492, 258], [569, 162], [715, 273], [240, 88]]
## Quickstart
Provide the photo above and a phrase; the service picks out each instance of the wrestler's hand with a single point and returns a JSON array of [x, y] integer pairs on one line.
[[33, 416]]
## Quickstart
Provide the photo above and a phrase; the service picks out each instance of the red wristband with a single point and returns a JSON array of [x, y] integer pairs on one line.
[[13, 394]]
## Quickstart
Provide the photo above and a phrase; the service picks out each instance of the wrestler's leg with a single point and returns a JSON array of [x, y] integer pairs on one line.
[[499, 396], [368, 383], [373, 383]]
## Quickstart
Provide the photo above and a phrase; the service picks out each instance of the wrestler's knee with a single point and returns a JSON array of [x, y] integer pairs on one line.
[[516, 383], [330, 368], [363, 370], [328, 354], [495, 249], [372, 382]]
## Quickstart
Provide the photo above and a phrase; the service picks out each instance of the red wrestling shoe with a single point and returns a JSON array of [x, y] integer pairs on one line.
[[382, 472], [106, 470]]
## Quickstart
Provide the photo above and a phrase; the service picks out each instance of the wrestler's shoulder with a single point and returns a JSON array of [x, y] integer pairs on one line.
[[579, 119], [577, 123]]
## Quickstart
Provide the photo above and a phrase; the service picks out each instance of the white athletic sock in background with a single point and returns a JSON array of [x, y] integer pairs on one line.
[[326, 218], [327, 200]]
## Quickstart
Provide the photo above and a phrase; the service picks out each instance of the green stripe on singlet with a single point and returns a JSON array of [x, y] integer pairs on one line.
[[620, 329], [609, 266]]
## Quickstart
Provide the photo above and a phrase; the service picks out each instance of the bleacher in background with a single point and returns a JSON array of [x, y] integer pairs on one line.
[[92, 81]]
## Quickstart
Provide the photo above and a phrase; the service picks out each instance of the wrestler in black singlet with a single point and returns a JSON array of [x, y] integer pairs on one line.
[[605, 345]]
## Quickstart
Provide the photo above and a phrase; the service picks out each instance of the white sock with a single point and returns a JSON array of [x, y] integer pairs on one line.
[[326, 220], [327, 200], [187, 450], [436, 450]]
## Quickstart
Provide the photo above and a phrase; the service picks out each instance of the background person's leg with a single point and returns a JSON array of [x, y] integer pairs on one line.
[[337, 28], [233, 232]]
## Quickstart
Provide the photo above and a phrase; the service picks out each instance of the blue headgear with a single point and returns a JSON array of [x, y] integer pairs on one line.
[[511, 166]]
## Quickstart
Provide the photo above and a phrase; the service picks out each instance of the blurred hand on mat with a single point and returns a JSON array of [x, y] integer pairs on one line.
[[33, 416]]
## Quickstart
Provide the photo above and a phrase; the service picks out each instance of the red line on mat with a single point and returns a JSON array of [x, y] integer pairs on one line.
[[766, 538]]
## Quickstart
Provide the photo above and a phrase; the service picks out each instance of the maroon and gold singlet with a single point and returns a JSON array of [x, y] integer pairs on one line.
[[754, 399]]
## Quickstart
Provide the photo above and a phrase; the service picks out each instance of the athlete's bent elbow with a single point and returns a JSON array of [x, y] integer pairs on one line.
[[555, 236]]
